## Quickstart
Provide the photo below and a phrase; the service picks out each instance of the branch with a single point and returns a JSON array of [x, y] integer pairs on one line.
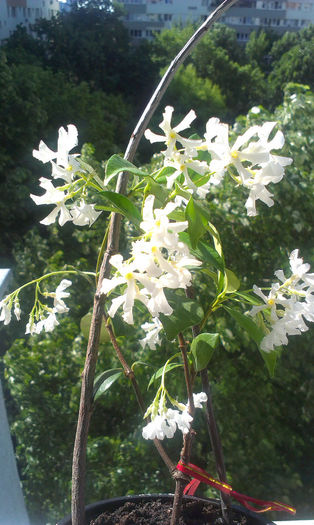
[[86, 400], [131, 375]]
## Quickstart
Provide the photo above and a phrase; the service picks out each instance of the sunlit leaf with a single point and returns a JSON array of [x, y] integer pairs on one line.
[[104, 381], [85, 326], [233, 283], [117, 164], [165, 369], [202, 348], [186, 313], [254, 331], [122, 205]]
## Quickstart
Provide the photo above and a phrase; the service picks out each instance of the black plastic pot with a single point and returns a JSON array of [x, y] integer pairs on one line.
[[95, 509]]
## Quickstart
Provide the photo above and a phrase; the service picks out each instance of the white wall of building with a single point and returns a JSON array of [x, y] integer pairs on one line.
[[143, 17], [25, 12]]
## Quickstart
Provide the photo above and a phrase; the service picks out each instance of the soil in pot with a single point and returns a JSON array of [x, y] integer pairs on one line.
[[159, 513]]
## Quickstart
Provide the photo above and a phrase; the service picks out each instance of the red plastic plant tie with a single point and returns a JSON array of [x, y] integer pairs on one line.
[[199, 475]]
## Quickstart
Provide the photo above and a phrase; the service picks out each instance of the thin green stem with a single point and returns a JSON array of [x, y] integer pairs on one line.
[[46, 276]]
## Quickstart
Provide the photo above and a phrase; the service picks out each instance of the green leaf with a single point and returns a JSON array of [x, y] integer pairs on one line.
[[254, 331], [204, 252], [123, 205], [270, 359], [116, 164], [185, 313], [120, 327], [202, 349], [195, 219], [104, 381], [85, 326], [158, 374], [160, 192], [252, 299], [233, 283]]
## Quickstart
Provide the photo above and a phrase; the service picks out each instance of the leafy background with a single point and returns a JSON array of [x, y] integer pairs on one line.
[[81, 68]]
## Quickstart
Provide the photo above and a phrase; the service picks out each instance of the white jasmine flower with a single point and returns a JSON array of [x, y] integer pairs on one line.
[[289, 303], [165, 423], [48, 324], [158, 301], [84, 214], [217, 141], [182, 162], [59, 305], [68, 173], [198, 399], [53, 196], [182, 419], [172, 134], [17, 310], [67, 140], [159, 428], [5, 311], [152, 334], [128, 275], [300, 269], [156, 224]]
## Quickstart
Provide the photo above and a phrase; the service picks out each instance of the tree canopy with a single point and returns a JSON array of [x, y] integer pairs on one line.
[[81, 68]]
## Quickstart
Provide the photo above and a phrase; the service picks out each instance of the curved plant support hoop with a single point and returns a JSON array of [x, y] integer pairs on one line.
[[86, 400]]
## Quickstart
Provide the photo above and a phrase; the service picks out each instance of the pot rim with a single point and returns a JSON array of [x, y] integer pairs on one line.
[[94, 509]]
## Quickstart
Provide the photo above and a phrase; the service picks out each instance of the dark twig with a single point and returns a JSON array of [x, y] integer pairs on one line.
[[129, 373], [187, 438], [86, 400], [213, 431]]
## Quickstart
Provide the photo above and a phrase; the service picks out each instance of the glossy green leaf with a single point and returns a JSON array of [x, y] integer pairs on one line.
[[104, 381], [254, 331], [186, 313], [122, 205], [248, 298], [204, 252], [120, 327], [160, 192], [85, 326], [195, 219], [117, 164], [202, 349], [270, 359], [233, 283], [158, 374]]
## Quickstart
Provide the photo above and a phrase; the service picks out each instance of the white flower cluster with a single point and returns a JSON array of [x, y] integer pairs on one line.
[[159, 260], [39, 312], [66, 168], [166, 421], [249, 161], [152, 330], [288, 303]]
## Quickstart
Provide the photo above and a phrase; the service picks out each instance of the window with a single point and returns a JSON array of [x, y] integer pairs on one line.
[[13, 12], [137, 33], [167, 17]]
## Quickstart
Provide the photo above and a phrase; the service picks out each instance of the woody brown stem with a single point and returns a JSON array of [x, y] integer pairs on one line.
[[86, 399], [129, 373]]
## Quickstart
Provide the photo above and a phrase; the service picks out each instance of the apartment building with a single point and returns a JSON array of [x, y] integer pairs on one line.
[[276, 15], [143, 18], [25, 12]]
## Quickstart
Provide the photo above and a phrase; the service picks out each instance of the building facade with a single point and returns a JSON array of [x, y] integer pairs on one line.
[[25, 12], [276, 15], [143, 18]]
